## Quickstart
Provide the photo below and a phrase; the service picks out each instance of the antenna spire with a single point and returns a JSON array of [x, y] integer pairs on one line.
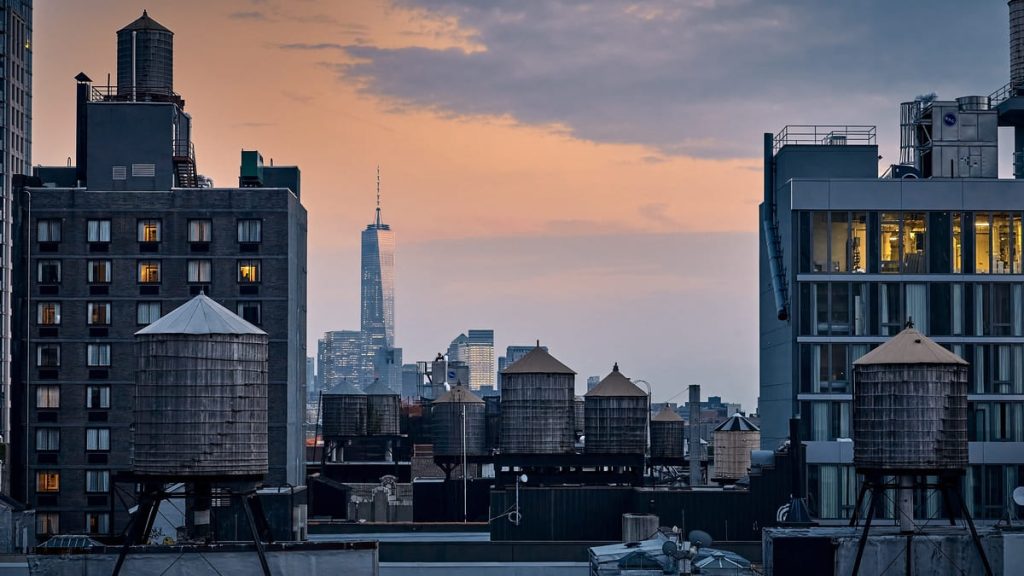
[[378, 195]]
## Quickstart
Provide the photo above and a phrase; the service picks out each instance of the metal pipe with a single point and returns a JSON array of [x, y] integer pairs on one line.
[[465, 488], [768, 222], [133, 64]]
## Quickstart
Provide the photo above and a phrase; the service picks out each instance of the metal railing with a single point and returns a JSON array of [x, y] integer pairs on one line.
[[824, 135], [1001, 95], [109, 93]]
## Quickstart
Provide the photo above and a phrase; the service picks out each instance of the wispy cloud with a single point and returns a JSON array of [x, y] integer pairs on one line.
[[313, 47], [248, 15]]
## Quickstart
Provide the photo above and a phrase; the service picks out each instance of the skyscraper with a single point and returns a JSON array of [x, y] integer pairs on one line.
[[341, 358], [16, 134], [377, 310], [476, 350]]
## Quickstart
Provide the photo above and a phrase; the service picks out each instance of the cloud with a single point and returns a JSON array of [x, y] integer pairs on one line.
[[702, 79], [248, 15], [312, 47]]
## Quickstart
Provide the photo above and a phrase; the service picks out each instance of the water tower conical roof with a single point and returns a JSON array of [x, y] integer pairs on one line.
[[200, 315], [909, 347]]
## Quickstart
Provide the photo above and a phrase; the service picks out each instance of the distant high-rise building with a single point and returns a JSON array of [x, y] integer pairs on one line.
[[341, 357], [476, 350], [592, 381], [377, 302], [16, 143], [412, 380]]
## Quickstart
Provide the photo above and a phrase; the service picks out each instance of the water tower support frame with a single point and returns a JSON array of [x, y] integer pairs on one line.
[[949, 486]]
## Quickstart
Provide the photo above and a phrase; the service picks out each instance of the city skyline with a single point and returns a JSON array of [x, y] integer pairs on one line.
[[514, 216]]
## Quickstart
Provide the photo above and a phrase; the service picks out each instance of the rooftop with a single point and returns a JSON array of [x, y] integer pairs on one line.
[[824, 135], [538, 361], [200, 315]]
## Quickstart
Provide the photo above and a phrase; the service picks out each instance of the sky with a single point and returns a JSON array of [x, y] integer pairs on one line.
[[583, 174]]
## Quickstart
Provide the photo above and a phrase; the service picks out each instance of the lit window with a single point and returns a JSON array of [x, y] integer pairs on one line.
[[199, 230], [98, 231], [47, 522], [98, 354], [97, 439], [97, 481], [149, 272], [97, 522], [250, 231], [97, 397], [48, 231], [250, 312], [49, 272], [48, 313], [248, 271], [47, 355], [48, 397], [48, 481], [99, 271], [148, 312], [199, 271], [149, 230], [47, 439], [99, 313]]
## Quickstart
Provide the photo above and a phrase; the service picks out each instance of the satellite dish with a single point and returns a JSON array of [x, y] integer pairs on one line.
[[700, 538], [669, 548], [1018, 495]]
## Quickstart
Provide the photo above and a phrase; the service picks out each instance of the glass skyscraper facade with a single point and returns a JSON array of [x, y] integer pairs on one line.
[[476, 350], [377, 302]]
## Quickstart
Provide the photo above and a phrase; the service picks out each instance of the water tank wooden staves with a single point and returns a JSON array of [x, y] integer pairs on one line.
[[910, 407], [667, 430], [537, 405], [447, 423], [382, 410], [734, 440], [616, 413], [344, 411], [200, 395]]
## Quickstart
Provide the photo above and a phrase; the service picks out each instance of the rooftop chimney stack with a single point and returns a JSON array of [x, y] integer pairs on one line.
[[1016, 43]]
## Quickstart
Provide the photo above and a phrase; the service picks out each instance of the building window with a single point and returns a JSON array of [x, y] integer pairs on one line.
[[143, 170], [48, 313], [47, 523], [889, 242], [99, 271], [199, 271], [47, 439], [99, 313], [97, 522], [250, 231], [250, 312], [199, 230], [97, 481], [47, 396], [98, 355], [98, 231], [248, 271], [148, 312], [49, 272], [149, 230], [958, 243], [914, 243], [97, 397], [48, 230], [48, 355], [149, 272], [97, 439], [48, 481]]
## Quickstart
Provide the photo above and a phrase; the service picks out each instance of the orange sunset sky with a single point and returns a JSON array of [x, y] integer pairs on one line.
[[583, 174]]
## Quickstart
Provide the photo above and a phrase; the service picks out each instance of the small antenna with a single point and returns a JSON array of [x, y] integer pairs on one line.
[[378, 195]]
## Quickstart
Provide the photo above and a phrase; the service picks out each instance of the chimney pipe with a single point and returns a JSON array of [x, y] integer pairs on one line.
[[695, 476], [1016, 44], [83, 92]]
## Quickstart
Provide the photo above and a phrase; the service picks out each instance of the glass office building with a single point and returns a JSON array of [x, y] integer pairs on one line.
[[856, 257]]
